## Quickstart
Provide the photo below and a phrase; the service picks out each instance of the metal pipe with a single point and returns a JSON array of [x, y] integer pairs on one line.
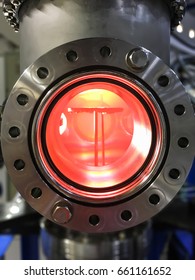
[[60, 243], [47, 24]]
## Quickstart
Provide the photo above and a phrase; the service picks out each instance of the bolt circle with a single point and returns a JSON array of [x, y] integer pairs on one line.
[[137, 59], [61, 214], [180, 119]]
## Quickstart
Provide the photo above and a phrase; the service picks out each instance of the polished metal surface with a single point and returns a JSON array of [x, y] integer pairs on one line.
[[69, 20], [60, 243], [11, 10], [24, 164], [61, 214], [138, 59]]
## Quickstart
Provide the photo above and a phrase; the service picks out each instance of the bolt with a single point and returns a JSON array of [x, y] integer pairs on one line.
[[9, 16], [13, 22], [16, 28], [6, 14], [137, 59], [9, 8], [61, 214], [15, 2]]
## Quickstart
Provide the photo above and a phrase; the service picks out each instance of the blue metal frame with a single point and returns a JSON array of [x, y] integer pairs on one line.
[[5, 242]]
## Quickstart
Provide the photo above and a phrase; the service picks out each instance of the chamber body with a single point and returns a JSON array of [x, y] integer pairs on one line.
[[47, 24], [98, 132]]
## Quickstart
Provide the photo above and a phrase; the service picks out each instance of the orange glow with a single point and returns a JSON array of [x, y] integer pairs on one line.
[[98, 134]]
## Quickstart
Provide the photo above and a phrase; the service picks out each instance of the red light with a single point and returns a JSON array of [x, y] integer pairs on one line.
[[98, 135]]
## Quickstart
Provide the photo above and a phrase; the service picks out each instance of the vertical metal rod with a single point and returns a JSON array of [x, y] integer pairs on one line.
[[103, 140], [96, 137]]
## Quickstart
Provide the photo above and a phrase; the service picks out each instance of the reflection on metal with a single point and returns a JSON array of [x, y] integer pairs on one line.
[[73, 20], [74, 152], [38, 185], [75, 45], [11, 10], [58, 54], [59, 243]]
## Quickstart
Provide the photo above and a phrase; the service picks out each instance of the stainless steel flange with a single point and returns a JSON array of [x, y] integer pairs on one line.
[[71, 204]]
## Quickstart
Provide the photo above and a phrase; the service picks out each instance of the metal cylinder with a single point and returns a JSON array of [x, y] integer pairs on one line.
[[60, 243], [46, 24]]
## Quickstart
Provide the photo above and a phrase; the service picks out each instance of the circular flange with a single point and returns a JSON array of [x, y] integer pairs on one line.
[[29, 98]]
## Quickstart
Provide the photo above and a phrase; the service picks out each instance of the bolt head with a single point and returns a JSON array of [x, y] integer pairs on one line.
[[137, 59], [16, 2], [61, 214]]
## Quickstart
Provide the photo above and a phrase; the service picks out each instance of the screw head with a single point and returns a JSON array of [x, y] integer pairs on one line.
[[61, 214], [137, 59]]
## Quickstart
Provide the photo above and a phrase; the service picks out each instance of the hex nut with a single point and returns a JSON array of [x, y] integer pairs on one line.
[[61, 214], [137, 59]]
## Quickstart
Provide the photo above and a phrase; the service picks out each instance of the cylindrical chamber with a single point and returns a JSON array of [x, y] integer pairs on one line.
[[46, 24], [60, 243]]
